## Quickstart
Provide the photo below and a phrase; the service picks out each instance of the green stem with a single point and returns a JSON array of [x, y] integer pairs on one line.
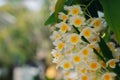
[[98, 54], [87, 15], [88, 5]]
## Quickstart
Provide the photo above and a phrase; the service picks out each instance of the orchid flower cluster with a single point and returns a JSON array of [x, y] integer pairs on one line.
[[75, 39]]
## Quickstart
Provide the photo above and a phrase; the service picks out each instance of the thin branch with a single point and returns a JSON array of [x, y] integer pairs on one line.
[[88, 5]]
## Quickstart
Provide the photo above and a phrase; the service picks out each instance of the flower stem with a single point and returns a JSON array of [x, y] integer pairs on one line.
[[88, 5]]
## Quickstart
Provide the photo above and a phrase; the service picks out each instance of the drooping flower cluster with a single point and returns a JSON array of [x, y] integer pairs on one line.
[[75, 40]]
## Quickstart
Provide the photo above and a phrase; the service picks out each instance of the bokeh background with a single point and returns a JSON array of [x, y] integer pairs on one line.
[[24, 41]]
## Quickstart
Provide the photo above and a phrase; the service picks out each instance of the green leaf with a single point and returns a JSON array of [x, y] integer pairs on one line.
[[51, 20], [112, 15], [99, 55], [107, 53], [59, 6]]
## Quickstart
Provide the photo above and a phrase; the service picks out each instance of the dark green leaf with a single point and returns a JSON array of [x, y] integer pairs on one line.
[[107, 53], [112, 15], [99, 55], [51, 20]]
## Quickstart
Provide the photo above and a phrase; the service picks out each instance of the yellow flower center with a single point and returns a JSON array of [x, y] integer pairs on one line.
[[74, 39], [75, 11], [64, 28], [57, 36], [56, 55], [60, 46], [86, 33], [84, 77], [106, 77], [97, 23], [95, 39], [93, 65], [85, 52], [76, 59], [64, 17], [77, 21], [66, 65], [112, 63]]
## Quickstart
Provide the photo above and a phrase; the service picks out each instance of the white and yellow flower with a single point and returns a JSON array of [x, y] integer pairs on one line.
[[63, 27], [90, 34], [85, 52], [62, 16], [67, 65], [93, 65], [76, 59], [59, 45], [73, 38], [84, 77], [77, 21], [81, 68], [56, 54], [112, 63], [98, 24], [108, 76], [87, 32], [111, 46], [73, 10], [56, 35]]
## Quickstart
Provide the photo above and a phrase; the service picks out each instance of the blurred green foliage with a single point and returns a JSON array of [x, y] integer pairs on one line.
[[21, 39], [112, 15]]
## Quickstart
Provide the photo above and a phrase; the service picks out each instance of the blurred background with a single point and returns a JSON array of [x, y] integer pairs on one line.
[[24, 41]]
